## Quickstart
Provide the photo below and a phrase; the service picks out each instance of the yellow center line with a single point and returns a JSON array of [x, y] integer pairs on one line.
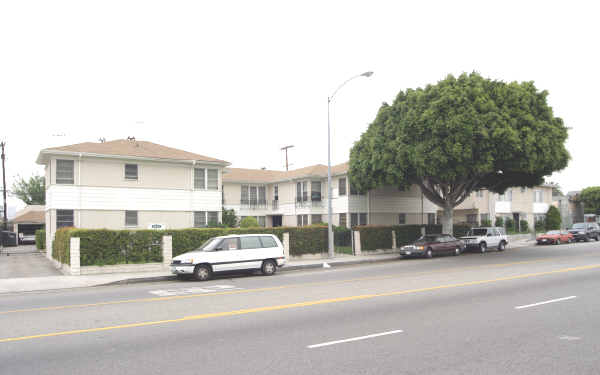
[[296, 305], [266, 289]]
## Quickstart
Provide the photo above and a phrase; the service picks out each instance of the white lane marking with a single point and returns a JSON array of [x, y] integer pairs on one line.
[[569, 338], [545, 302], [353, 339], [193, 290]]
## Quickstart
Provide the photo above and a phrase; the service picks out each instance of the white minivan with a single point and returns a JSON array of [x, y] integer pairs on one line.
[[231, 253]]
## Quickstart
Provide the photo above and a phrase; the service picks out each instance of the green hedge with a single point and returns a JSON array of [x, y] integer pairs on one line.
[[61, 245], [303, 240], [99, 247], [342, 236], [373, 237], [40, 239]]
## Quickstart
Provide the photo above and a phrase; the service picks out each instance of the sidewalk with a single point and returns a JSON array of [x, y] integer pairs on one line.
[[29, 284]]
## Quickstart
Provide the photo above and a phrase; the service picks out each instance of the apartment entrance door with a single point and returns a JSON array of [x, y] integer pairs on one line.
[[277, 220]]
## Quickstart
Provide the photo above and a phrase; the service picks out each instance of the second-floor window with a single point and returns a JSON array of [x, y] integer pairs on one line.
[[302, 191], [213, 179], [199, 178], [315, 192], [131, 172], [342, 186], [65, 171], [253, 195], [538, 196], [506, 197], [276, 192]]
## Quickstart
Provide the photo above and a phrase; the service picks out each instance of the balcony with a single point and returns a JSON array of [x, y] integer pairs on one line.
[[275, 205], [254, 204], [304, 202]]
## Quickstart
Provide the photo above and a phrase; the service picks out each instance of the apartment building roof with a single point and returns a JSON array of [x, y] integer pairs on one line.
[[127, 149], [261, 176]]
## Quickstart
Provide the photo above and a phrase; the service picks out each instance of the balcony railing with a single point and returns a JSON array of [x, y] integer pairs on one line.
[[305, 202], [254, 204], [275, 205]]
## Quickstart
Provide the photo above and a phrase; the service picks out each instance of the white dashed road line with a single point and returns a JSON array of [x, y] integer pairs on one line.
[[545, 302], [353, 339], [194, 290]]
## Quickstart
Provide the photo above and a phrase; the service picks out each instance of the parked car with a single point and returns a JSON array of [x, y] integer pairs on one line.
[[26, 238], [555, 237], [481, 239], [8, 238], [585, 231], [231, 253], [433, 244]]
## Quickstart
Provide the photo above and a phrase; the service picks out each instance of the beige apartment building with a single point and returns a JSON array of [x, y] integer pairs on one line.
[[133, 184], [299, 198], [517, 203]]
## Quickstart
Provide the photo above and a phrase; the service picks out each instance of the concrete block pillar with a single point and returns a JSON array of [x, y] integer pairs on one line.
[[167, 250], [357, 248], [393, 239], [75, 256], [286, 245]]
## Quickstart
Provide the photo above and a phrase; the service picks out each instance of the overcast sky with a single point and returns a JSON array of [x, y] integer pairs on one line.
[[238, 80]]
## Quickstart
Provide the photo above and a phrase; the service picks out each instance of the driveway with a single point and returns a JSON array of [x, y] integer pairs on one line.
[[25, 261]]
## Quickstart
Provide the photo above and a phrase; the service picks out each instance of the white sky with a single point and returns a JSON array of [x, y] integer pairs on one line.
[[238, 80]]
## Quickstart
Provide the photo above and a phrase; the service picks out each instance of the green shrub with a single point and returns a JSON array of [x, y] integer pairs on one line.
[[553, 219], [486, 223], [540, 225], [510, 223], [407, 234], [61, 246], [249, 222], [373, 237], [40, 239], [499, 222], [524, 225], [342, 236], [229, 219]]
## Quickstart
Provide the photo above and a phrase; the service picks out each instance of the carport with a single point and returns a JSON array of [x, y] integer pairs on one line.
[[28, 222]]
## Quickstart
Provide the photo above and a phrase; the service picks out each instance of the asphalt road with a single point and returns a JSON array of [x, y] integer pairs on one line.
[[523, 311]]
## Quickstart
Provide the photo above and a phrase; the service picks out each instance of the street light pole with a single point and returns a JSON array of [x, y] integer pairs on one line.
[[330, 251], [5, 221]]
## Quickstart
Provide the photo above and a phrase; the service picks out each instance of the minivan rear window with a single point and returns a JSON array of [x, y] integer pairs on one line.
[[250, 242], [268, 241]]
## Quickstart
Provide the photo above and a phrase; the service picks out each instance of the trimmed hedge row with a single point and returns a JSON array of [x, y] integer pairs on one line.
[[303, 240], [100, 247], [40, 239], [61, 245], [373, 237]]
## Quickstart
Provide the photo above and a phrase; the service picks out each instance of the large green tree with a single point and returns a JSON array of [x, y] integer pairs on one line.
[[553, 219], [460, 135], [590, 197], [30, 191]]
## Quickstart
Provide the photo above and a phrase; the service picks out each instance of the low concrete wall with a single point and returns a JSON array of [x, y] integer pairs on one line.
[[519, 237], [123, 268]]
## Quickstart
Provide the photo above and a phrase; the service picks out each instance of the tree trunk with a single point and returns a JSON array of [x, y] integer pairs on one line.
[[447, 220]]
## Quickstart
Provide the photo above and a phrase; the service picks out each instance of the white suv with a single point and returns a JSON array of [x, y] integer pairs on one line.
[[484, 238], [231, 253]]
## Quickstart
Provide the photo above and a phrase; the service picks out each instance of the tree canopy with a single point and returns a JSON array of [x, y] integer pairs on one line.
[[32, 191], [460, 135], [590, 197]]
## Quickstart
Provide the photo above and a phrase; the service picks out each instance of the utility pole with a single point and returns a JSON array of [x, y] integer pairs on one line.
[[5, 225], [286, 156]]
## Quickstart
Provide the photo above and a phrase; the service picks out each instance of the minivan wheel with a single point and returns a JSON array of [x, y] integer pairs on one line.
[[202, 272], [268, 267], [482, 247], [501, 246], [429, 253]]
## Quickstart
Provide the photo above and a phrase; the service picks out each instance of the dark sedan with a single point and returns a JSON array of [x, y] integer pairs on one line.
[[433, 244]]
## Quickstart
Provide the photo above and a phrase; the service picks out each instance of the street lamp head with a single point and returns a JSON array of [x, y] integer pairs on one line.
[[367, 74]]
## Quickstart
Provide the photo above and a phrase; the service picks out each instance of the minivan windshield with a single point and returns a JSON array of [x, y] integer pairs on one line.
[[477, 232], [209, 245]]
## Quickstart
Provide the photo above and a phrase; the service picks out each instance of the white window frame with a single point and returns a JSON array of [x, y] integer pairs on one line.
[[204, 178], [137, 219], [62, 180]]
